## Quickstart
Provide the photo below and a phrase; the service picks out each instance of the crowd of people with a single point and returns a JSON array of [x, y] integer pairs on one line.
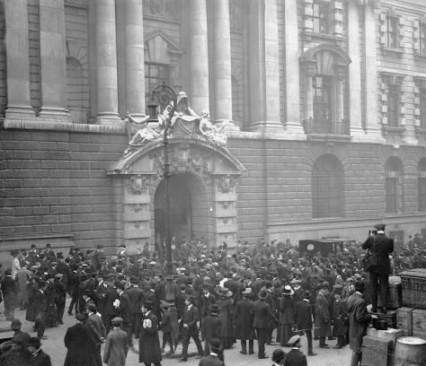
[[267, 293]]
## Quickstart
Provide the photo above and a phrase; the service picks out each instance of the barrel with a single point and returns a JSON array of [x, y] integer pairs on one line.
[[410, 351]]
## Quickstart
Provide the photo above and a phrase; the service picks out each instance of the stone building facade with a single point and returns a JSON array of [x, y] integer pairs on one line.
[[323, 103]]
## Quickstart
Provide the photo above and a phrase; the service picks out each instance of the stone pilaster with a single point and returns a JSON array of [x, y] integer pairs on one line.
[[136, 211], [106, 57], [18, 60], [222, 62], [53, 61], [370, 95], [355, 110], [135, 65], [292, 123], [225, 210], [199, 56]]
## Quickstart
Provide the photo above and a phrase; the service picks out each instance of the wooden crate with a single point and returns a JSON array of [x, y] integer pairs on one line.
[[404, 320], [414, 288], [419, 323], [376, 352]]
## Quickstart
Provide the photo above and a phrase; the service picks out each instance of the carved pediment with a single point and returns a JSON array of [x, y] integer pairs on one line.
[[159, 47]]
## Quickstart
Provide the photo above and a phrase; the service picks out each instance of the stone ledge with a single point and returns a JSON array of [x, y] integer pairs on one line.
[[8, 124]]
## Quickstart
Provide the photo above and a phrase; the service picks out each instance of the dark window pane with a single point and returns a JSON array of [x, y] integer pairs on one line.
[[391, 195]]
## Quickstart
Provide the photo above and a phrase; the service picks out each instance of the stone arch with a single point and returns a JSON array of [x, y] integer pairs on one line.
[[138, 176]]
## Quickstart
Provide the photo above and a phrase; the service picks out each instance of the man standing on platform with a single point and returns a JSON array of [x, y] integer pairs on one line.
[[382, 246]]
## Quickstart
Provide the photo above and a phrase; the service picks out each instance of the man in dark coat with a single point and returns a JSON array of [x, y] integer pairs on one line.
[[190, 327], [124, 310], [295, 357], [323, 316], [379, 274], [81, 344], [149, 341], [211, 327], [339, 317], [110, 311], [358, 321], [117, 345], [136, 300], [39, 305], [60, 297], [303, 319], [39, 357], [263, 318], [244, 317], [10, 294]]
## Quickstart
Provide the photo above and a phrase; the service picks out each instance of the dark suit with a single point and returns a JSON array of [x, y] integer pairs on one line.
[[136, 299], [379, 274], [263, 318], [190, 329], [244, 317], [303, 320], [125, 314], [295, 358]]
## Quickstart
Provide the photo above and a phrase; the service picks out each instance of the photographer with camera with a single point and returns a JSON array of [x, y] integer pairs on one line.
[[380, 246]]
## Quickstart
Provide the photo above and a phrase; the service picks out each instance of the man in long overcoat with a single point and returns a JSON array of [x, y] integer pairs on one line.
[[190, 328], [263, 318], [117, 345], [303, 319], [244, 316], [358, 321], [81, 344], [136, 299], [322, 316], [149, 341]]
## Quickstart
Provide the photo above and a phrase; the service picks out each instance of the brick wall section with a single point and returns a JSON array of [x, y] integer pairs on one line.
[[56, 183]]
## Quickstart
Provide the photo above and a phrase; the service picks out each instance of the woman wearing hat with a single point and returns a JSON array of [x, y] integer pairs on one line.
[[225, 301], [286, 315]]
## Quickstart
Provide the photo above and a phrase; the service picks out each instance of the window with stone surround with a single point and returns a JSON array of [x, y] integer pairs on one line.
[[155, 74], [323, 96], [392, 107], [420, 103], [393, 186], [391, 30], [327, 187], [422, 184], [419, 35], [321, 16]]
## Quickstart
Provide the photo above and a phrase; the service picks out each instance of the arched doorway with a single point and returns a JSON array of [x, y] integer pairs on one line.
[[189, 213]]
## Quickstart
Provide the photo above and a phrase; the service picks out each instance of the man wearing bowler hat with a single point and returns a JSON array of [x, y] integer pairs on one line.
[[382, 246]]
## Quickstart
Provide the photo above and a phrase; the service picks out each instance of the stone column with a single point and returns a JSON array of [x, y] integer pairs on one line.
[[264, 68], [370, 95], [355, 110], [18, 60], [106, 56], [222, 62], [53, 61], [135, 65], [292, 122], [199, 56]]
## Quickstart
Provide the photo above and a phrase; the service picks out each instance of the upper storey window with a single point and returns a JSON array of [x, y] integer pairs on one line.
[[321, 17], [392, 31]]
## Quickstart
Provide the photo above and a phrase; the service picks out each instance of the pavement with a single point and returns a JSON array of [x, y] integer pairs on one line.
[[54, 346]]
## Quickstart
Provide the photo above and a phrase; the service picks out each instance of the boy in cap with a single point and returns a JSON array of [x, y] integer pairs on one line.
[[117, 345]]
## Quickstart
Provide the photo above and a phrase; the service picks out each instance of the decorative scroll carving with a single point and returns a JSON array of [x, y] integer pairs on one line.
[[138, 184], [162, 8], [225, 204], [226, 184]]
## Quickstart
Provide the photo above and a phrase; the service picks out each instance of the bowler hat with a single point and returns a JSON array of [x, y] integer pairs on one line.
[[294, 340], [278, 356], [380, 226]]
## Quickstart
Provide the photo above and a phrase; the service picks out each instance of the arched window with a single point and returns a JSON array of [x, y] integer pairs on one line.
[[327, 187], [325, 90], [393, 186], [422, 184]]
